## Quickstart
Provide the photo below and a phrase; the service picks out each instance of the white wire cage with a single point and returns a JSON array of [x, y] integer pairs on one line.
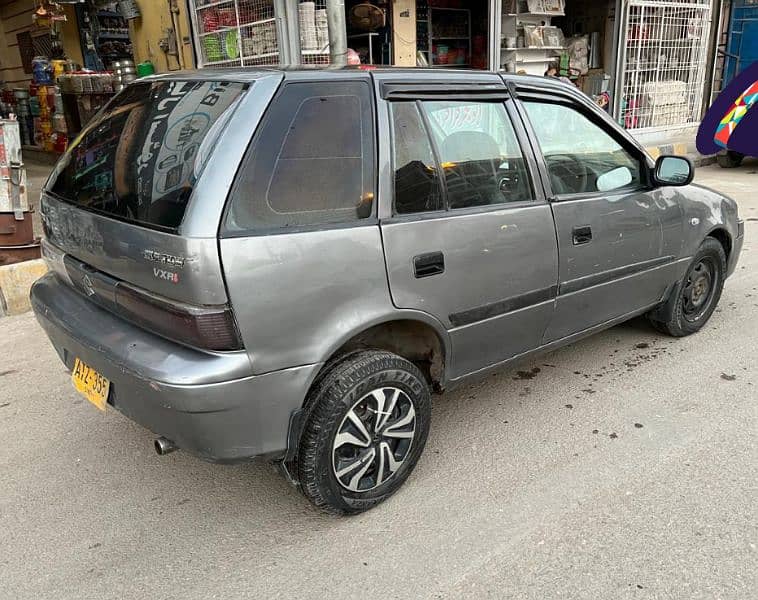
[[314, 33], [666, 46], [233, 33]]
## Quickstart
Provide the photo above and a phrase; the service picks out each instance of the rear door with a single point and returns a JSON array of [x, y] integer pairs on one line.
[[614, 231], [468, 238]]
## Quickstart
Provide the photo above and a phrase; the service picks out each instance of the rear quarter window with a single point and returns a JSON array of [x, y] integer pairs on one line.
[[311, 162], [139, 160]]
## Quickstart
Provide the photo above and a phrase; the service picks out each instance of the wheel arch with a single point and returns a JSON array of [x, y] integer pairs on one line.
[[721, 235], [413, 335]]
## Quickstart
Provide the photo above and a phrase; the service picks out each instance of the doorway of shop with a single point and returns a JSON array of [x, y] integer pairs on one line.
[[452, 33]]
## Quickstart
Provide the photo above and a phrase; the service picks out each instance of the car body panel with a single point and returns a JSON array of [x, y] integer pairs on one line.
[[206, 403], [496, 292], [703, 211], [178, 267], [495, 262], [628, 250], [294, 294]]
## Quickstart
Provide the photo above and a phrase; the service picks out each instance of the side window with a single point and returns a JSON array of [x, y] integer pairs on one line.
[[311, 161], [479, 153], [417, 184], [581, 156]]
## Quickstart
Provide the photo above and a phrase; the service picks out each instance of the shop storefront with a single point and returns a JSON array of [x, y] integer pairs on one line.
[[644, 60], [74, 57], [259, 32]]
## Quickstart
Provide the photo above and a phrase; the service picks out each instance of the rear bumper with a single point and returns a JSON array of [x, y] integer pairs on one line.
[[206, 403]]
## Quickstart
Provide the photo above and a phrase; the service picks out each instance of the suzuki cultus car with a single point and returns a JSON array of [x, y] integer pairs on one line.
[[288, 263]]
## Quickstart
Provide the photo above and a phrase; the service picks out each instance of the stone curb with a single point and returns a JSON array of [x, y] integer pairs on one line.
[[681, 149], [15, 283]]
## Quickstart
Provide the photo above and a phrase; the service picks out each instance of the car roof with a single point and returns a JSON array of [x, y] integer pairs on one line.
[[399, 74]]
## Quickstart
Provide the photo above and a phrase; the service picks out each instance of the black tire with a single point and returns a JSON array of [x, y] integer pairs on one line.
[[698, 293], [351, 388], [729, 159]]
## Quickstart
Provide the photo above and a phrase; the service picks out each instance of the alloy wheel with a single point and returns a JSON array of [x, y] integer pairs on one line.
[[373, 439]]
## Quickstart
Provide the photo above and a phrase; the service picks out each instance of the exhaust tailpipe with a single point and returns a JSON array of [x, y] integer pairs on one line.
[[164, 446]]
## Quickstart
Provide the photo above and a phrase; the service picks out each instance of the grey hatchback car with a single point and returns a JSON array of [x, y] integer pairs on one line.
[[287, 263]]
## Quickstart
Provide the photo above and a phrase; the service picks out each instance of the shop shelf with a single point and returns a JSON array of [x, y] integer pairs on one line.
[[259, 56], [536, 14], [532, 49], [212, 4]]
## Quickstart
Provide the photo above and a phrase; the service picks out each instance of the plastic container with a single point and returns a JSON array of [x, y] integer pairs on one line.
[[443, 54], [59, 67], [145, 68], [42, 72], [59, 123], [61, 143]]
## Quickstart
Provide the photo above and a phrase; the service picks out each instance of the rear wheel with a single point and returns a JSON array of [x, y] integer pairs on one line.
[[367, 429], [699, 292], [729, 159]]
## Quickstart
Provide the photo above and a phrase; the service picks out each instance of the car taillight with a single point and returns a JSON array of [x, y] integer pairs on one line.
[[210, 328]]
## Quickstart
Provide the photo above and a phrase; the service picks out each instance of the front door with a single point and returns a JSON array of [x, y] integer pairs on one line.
[[614, 232], [470, 240]]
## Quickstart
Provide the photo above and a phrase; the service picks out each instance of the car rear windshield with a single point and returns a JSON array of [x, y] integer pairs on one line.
[[140, 159]]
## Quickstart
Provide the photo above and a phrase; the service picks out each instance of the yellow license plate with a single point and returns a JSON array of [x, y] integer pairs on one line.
[[90, 384]]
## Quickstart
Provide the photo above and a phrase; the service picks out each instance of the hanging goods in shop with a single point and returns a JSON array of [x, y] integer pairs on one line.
[[42, 72], [322, 30], [231, 45], [47, 14], [129, 9], [59, 68], [212, 48], [124, 72]]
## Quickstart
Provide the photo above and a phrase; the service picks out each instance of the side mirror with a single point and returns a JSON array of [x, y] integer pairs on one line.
[[673, 170]]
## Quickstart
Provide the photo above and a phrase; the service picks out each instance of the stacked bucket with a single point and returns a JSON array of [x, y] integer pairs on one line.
[[307, 20], [17, 241], [322, 30]]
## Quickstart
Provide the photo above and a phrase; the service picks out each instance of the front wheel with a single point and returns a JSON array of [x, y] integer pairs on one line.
[[366, 431], [699, 291]]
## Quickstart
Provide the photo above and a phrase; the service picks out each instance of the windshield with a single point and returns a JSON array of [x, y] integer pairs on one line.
[[139, 160]]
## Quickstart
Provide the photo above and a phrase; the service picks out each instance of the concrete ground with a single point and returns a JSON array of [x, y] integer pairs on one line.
[[626, 467]]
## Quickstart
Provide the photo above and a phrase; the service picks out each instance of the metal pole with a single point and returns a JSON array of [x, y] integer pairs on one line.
[[287, 31], [335, 13]]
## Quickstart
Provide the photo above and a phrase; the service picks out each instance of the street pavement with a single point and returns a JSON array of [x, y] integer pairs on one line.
[[623, 466]]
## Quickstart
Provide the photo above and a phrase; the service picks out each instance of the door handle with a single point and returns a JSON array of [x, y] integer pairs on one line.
[[428, 265], [582, 235]]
